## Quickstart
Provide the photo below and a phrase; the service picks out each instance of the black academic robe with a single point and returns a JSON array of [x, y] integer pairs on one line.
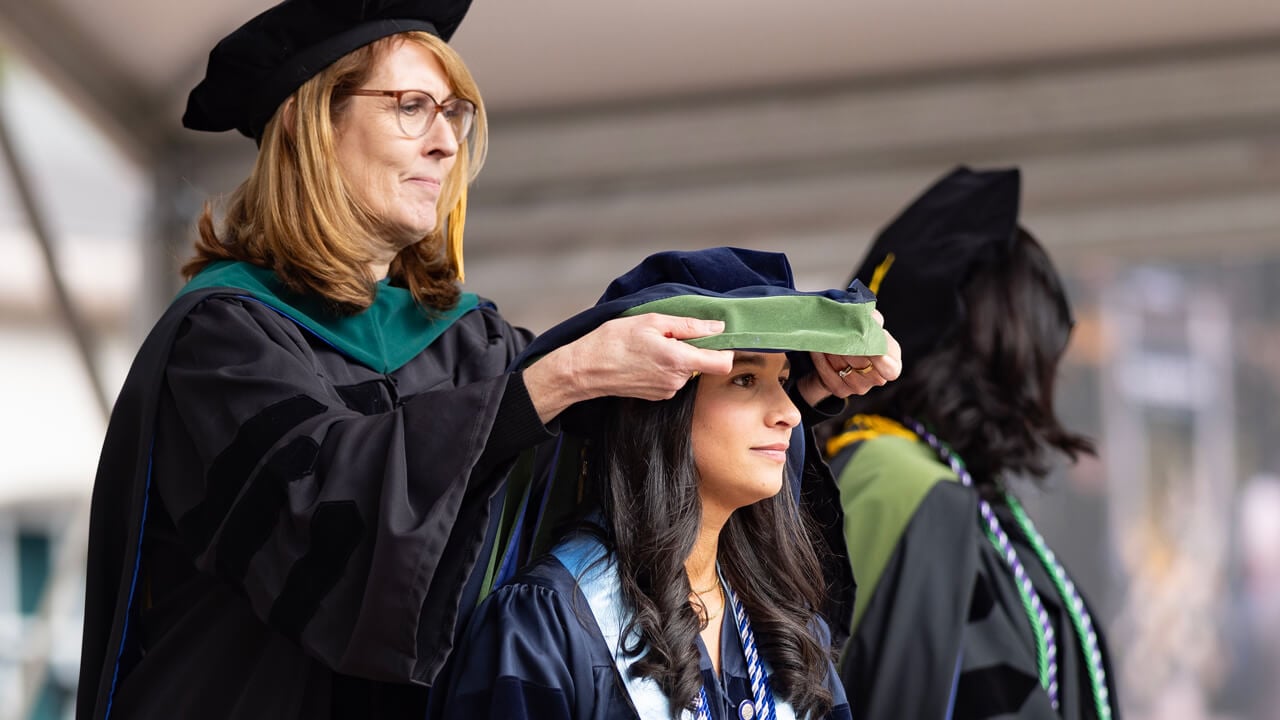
[[280, 531], [940, 630], [533, 651]]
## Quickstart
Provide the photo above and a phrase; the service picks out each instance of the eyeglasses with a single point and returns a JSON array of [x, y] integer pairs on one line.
[[416, 109]]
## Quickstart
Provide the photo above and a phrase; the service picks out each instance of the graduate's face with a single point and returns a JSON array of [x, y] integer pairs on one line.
[[741, 429], [398, 178]]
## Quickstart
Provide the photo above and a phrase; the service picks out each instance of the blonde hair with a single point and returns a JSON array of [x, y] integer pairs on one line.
[[296, 214]]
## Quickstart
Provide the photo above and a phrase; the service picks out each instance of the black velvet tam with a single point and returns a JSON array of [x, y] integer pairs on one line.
[[921, 261], [720, 274], [254, 69]]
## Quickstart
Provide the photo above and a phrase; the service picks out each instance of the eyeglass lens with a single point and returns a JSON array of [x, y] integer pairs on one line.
[[418, 110]]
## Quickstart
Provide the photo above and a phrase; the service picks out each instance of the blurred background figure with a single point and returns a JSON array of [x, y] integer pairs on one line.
[[1253, 618], [1152, 139]]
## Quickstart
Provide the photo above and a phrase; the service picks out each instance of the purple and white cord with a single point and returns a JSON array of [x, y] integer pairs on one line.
[[1080, 617], [1046, 644]]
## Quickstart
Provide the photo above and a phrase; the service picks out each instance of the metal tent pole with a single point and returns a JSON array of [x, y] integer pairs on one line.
[[75, 324], [70, 558]]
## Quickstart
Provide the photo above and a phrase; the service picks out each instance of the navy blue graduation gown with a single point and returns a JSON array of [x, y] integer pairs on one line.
[[533, 650]]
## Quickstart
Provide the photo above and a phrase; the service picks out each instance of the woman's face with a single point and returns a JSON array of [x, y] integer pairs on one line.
[[398, 178], [741, 429]]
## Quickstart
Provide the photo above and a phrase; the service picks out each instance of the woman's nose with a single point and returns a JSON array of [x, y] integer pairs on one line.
[[784, 413], [440, 138]]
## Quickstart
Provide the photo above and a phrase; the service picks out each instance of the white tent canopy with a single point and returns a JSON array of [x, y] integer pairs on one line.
[[133, 61]]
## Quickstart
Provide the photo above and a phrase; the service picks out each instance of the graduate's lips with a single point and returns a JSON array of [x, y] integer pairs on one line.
[[776, 451]]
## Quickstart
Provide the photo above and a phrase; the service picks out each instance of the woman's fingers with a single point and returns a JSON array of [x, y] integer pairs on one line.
[[846, 375], [889, 365], [854, 375], [641, 357], [680, 328]]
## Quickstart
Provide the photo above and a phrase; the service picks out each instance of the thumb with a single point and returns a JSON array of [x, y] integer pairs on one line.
[[711, 362]]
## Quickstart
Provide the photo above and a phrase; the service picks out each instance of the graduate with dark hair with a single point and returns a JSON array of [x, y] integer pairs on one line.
[[690, 582], [962, 609]]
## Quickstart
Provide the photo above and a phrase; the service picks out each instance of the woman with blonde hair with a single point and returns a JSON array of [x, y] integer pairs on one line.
[[297, 483]]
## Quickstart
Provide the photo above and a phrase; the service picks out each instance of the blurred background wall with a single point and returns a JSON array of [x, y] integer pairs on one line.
[[1149, 137]]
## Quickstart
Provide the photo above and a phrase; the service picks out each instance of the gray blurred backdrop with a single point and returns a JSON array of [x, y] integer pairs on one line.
[[1149, 136]]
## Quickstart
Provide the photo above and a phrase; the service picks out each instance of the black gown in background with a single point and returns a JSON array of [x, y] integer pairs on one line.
[[308, 524], [940, 631]]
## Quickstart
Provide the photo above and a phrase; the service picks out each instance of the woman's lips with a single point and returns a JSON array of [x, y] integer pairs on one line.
[[776, 452]]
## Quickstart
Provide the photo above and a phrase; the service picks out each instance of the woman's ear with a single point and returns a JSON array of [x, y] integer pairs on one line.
[[287, 114]]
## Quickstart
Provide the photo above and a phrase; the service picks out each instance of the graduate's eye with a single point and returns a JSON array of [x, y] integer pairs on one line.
[[783, 380], [745, 380]]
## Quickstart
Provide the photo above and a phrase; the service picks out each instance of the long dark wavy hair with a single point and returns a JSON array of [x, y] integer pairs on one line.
[[641, 471], [987, 386]]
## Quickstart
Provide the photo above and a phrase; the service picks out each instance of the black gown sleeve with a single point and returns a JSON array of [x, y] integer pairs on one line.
[[351, 533]]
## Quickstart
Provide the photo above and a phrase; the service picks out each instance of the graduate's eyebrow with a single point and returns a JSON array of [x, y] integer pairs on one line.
[[746, 359]]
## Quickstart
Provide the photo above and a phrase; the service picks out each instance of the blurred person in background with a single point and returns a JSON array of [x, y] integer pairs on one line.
[[687, 583], [1249, 689], [297, 483], [962, 610]]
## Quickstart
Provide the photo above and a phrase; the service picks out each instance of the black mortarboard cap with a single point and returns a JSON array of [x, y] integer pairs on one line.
[[920, 263], [252, 70]]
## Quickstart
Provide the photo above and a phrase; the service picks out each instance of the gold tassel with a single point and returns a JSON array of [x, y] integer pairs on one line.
[[457, 222], [877, 277]]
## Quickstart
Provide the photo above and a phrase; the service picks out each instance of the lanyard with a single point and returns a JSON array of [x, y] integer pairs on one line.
[[763, 703]]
